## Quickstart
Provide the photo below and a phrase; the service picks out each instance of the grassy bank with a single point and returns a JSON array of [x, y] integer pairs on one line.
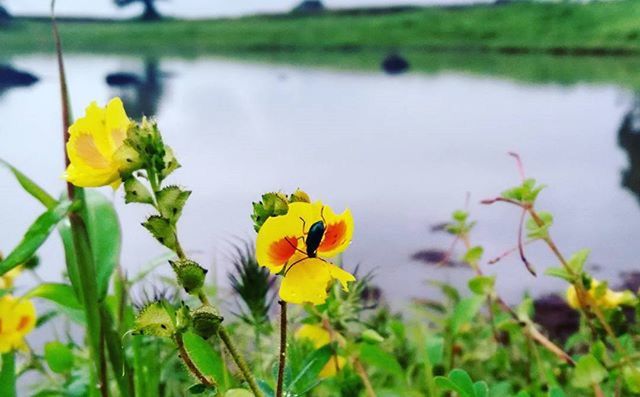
[[595, 29]]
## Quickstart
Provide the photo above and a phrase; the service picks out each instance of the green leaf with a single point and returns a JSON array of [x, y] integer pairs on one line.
[[162, 230], [35, 236], [555, 391], [376, 357], [435, 350], [62, 294], [536, 231], [482, 285], [136, 192], [559, 272], [272, 204], [577, 260], [588, 372], [103, 227], [464, 312], [462, 379], [473, 255], [31, 187], [631, 377], [238, 393], [307, 378], [64, 229], [460, 215], [171, 201], [59, 357], [481, 389], [207, 360]]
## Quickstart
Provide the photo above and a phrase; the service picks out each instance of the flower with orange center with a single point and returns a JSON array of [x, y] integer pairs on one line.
[[93, 142], [295, 244], [319, 337], [17, 318]]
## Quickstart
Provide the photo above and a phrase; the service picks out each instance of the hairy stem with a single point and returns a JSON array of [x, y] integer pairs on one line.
[[283, 347], [364, 377], [184, 355], [240, 362]]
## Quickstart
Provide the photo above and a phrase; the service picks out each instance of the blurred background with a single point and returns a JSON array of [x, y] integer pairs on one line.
[[399, 110]]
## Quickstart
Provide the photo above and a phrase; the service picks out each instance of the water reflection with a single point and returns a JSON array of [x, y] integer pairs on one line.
[[10, 77], [140, 92], [629, 140]]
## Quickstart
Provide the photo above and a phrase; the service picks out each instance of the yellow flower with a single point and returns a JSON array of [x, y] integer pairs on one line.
[[7, 279], [321, 337], [17, 318], [607, 299], [282, 247], [93, 141]]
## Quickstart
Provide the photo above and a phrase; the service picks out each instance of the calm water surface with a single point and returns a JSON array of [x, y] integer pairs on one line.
[[402, 152]]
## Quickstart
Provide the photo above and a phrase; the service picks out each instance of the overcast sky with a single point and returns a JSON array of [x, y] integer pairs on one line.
[[193, 8]]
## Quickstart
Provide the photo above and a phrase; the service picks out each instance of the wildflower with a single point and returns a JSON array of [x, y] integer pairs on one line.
[[7, 279], [288, 246], [601, 296], [93, 142], [319, 337], [17, 318]]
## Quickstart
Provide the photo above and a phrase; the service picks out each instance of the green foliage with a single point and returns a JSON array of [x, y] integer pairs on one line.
[[588, 372], [171, 201], [536, 231], [31, 187], [272, 204], [35, 236], [162, 230], [460, 382], [59, 357], [208, 362], [190, 274], [526, 193], [136, 192]]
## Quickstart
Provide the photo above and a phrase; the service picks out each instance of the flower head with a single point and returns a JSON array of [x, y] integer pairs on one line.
[[17, 318], [601, 296], [319, 337], [93, 142], [294, 244]]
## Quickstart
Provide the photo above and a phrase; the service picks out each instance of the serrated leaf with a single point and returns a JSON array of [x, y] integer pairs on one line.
[[272, 204], [170, 162], [136, 192], [162, 230], [155, 319], [171, 201], [35, 236], [482, 285], [588, 371], [59, 357]]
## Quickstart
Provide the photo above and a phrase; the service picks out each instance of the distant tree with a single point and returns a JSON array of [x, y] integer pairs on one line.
[[5, 17], [150, 12]]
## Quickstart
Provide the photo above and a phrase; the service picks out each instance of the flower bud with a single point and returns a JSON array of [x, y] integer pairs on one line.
[[206, 321], [299, 196], [190, 274]]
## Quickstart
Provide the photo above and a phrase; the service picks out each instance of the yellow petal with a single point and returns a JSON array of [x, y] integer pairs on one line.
[[335, 364], [341, 275], [17, 318], [338, 229], [280, 237], [117, 122], [314, 333], [306, 282], [86, 177]]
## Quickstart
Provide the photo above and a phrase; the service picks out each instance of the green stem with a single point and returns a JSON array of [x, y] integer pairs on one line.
[[283, 347], [121, 368], [242, 365], [8, 375], [89, 289]]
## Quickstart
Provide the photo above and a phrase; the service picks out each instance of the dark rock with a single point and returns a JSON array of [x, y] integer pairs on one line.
[[395, 64], [309, 7], [554, 314], [120, 79], [12, 77]]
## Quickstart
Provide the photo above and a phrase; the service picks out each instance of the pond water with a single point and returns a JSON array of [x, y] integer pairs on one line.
[[401, 151]]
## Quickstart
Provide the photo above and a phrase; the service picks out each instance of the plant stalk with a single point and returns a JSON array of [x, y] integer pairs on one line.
[[240, 362], [8, 375], [208, 382], [283, 347]]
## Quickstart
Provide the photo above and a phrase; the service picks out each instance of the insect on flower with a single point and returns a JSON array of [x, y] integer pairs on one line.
[[296, 244]]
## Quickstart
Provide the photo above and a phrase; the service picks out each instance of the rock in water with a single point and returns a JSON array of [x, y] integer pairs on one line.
[[309, 7], [12, 77], [395, 64]]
